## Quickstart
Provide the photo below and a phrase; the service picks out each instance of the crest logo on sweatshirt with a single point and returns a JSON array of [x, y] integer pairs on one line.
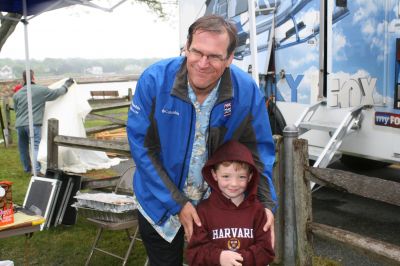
[[233, 244], [227, 109]]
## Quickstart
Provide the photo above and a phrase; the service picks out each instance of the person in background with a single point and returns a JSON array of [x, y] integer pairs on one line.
[[232, 218], [183, 109], [40, 95]]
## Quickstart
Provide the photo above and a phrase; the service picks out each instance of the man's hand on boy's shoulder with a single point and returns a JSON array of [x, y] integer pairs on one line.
[[269, 225]]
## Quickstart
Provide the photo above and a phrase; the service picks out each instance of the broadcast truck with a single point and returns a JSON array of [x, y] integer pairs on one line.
[[329, 67]]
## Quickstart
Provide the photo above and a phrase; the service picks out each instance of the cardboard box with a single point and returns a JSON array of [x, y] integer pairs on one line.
[[6, 204]]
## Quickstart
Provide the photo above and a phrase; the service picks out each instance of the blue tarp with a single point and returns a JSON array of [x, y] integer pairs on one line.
[[33, 6]]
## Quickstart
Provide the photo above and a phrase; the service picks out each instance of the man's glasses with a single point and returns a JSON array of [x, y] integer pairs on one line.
[[212, 58]]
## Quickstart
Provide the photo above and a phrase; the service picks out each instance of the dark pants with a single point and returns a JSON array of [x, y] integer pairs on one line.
[[159, 251]]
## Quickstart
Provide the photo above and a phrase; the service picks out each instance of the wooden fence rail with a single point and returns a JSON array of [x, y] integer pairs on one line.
[[115, 122], [361, 185], [104, 94], [54, 140], [108, 97], [373, 188], [383, 251]]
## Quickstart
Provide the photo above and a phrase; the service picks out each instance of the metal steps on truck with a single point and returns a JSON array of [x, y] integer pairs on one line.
[[337, 130], [319, 125], [314, 152]]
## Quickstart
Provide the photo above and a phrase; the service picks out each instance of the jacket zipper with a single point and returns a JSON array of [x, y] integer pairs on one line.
[[164, 216], [187, 148], [209, 122]]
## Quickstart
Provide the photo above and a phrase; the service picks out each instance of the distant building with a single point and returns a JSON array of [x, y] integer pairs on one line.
[[95, 70], [6, 72], [133, 69]]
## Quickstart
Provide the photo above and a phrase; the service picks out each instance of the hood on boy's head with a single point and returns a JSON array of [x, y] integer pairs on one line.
[[231, 151]]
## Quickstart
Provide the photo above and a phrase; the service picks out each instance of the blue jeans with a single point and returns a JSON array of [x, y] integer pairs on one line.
[[23, 146]]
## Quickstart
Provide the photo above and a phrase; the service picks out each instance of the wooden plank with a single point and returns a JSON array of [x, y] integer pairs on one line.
[[302, 200], [93, 102], [116, 134], [98, 129], [384, 251], [7, 121], [361, 185], [52, 148], [104, 93], [2, 128], [120, 147], [110, 106], [93, 183], [19, 231], [130, 94], [109, 118], [278, 183]]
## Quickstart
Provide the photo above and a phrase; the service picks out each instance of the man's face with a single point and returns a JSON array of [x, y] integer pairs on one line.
[[207, 59]]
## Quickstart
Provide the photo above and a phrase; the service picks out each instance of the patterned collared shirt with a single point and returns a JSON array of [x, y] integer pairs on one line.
[[195, 187]]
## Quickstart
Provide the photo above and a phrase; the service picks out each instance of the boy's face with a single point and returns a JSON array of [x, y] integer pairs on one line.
[[232, 181]]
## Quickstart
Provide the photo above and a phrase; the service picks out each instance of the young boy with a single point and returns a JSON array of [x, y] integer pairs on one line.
[[232, 218]]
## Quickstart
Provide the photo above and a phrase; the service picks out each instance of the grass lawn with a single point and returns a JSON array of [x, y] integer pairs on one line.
[[61, 245], [65, 245]]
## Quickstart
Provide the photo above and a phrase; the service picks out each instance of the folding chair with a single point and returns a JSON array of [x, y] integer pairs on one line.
[[102, 225], [126, 178]]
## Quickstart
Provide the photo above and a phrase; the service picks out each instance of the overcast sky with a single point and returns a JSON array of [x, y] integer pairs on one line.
[[130, 31]]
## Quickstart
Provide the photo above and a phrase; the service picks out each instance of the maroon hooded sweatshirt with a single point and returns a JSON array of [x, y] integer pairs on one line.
[[226, 226]]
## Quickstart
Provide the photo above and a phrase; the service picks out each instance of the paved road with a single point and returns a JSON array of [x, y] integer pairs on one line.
[[356, 214]]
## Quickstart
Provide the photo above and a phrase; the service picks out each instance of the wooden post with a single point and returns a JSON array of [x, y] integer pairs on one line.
[[278, 183], [2, 128], [302, 199], [52, 147], [130, 94], [6, 119], [290, 133]]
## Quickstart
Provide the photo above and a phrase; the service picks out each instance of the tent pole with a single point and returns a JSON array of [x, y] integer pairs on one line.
[[29, 90]]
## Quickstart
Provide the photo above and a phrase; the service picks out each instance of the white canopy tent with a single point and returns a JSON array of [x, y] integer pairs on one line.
[[30, 9]]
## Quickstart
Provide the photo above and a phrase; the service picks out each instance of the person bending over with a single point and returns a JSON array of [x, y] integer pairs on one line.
[[183, 109]]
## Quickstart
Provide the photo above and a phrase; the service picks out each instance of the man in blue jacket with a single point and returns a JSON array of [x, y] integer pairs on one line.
[[183, 109]]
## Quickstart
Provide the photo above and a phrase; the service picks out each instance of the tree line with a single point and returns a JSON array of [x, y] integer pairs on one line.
[[49, 67]]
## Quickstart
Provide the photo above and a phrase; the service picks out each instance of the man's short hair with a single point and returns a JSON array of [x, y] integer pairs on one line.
[[217, 24], [24, 75]]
